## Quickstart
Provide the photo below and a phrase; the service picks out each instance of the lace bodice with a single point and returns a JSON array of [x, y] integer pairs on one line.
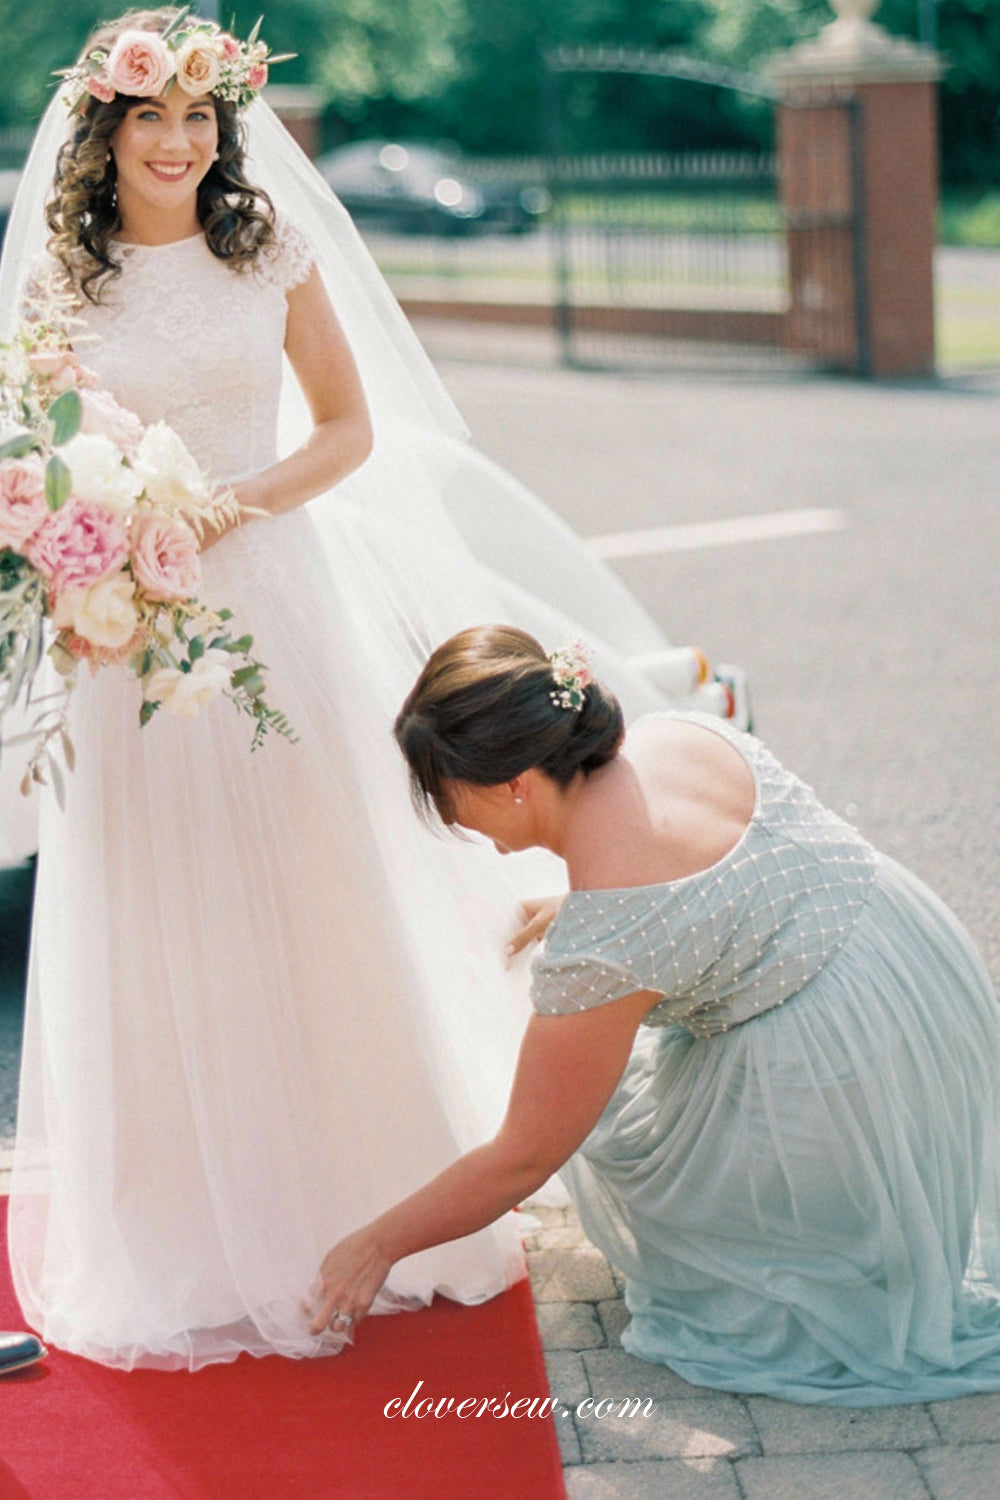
[[181, 337], [731, 941]]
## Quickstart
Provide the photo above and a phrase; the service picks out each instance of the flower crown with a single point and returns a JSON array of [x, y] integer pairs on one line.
[[197, 55], [571, 674]]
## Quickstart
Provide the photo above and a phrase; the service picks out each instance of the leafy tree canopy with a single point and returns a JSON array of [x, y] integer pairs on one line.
[[470, 71]]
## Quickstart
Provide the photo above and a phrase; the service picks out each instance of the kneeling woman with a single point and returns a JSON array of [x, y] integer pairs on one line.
[[765, 1057]]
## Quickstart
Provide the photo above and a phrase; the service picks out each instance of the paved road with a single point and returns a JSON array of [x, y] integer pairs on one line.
[[873, 651]]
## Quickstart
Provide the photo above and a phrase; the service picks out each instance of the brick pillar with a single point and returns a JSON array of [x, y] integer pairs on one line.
[[299, 108], [857, 143]]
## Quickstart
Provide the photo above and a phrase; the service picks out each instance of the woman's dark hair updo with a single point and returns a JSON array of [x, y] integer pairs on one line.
[[482, 711], [82, 215]]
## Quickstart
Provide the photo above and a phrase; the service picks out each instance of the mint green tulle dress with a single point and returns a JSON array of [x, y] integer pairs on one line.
[[799, 1172]]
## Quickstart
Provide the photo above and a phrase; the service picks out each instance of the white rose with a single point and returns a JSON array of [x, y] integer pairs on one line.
[[104, 614], [98, 472], [197, 64], [168, 473], [185, 694]]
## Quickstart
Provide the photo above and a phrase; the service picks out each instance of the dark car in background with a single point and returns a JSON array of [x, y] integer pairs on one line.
[[416, 189]]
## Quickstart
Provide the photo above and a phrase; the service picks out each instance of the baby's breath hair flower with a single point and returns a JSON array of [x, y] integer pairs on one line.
[[571, 674], [196, 55]]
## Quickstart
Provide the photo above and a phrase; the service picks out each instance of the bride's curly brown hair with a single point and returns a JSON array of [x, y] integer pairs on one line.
[[82, 214]]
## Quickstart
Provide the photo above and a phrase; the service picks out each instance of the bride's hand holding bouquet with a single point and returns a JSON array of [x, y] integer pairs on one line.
[[102, 522]]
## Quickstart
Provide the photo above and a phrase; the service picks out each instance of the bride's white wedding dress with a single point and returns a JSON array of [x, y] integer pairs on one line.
[[264, 1002]]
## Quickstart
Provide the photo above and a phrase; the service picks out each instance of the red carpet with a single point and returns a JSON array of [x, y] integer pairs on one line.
[[278, 1429]]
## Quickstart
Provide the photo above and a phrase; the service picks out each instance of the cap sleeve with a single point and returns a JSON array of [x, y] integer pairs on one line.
[[563, 984], [287, 264]]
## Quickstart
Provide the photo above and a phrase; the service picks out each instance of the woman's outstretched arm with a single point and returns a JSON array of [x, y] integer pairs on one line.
[[567, 1071]]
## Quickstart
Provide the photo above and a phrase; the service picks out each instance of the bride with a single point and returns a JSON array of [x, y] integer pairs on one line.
[[262, 1005]]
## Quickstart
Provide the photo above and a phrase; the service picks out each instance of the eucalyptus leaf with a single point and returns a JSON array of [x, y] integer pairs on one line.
[[20, 444], [58, 483], [58, 782], [196, 648], [65, 414], [146, 712]]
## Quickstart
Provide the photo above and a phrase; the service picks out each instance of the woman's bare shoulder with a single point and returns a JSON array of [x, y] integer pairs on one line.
[[681, 796]]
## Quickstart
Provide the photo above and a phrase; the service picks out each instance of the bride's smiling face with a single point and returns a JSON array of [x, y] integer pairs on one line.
[[163, 148]]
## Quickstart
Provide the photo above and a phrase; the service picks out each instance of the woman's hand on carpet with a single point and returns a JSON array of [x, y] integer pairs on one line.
[[351, 1276]]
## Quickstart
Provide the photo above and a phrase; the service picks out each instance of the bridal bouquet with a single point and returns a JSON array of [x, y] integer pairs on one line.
[[100, 524]]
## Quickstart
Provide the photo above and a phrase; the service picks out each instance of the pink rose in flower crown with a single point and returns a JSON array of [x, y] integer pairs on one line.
[[140, 64], [197, 64], [165, 560], [79, 545], [100, 85], [257, 77], [22, 501], [230, 46]]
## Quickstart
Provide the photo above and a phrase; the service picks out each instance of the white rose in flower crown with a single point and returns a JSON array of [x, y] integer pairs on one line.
[[103, 614], [197, 64], [185, 694], [169, 474], [98, 472]]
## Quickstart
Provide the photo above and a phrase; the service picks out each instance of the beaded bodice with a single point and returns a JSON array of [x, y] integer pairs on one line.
[[731, 941], [181, 337]]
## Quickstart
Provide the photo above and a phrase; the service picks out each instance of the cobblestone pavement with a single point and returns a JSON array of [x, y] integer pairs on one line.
[[699, 1444]]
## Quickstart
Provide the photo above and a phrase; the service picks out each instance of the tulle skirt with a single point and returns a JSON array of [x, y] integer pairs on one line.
[[264, 1002], [808, 1206]]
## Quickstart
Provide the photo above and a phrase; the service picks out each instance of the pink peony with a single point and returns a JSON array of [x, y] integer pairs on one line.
[[230, 46], [257, 77], [100, 85], [22, 500], [165, 560], [140, 64], [102, 414], [77, 546]]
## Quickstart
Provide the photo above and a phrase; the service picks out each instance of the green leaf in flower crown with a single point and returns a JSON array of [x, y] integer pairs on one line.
[[58, 483], [146, 712], [196, 648], [176, 23], [20, 444], [65, 414]]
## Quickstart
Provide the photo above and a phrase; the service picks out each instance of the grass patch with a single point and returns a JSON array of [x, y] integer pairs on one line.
[[970, 218]]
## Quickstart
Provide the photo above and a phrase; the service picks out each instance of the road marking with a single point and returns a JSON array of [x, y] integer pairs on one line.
[[693, 537]]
